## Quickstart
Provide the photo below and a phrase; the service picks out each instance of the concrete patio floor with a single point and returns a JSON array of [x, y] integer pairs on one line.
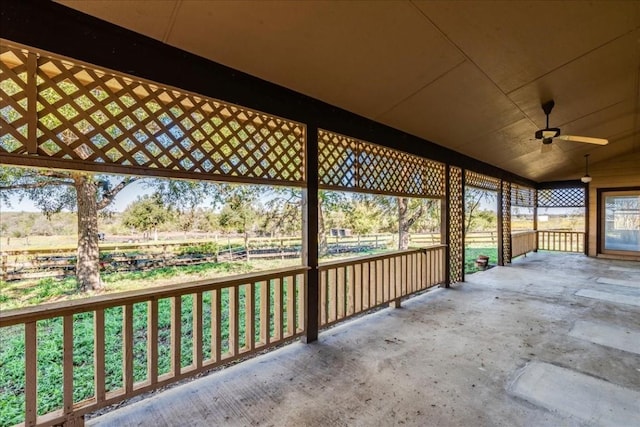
[[553, 339]]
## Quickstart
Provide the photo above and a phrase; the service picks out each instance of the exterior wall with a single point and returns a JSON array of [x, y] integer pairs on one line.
[[620, 172]]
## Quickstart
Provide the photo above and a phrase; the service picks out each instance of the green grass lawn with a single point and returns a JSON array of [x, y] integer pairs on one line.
[[50, 349]]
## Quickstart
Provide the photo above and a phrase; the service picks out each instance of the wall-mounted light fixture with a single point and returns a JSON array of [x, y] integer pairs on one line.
[[586, 178]]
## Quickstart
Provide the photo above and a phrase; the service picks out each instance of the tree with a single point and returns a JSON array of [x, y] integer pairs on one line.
[[146, 214], [409, 211], [239, 210], [364, 215], [185, 197], [54, 190], [327, 201], [283, 213], [473, 198]]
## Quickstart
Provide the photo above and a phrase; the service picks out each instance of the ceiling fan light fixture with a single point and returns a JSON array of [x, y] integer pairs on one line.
[[586, 178]]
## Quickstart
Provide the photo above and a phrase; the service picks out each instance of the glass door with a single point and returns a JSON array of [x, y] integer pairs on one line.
[[620, 222]]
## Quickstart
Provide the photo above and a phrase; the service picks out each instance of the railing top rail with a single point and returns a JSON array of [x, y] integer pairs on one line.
[[341, 263], [560, 231], [518, 232], [57, 309]]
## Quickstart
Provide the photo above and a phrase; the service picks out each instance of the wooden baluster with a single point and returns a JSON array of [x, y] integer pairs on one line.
[[265, 313], [366, 289], [176, 335], [234, 309], [291, 306], [379, 282], [216, 325], [152, 341], [99, 354], [196, 312], [249, 316], [67, 364], [127, 347], [340, 293], [333, 295], [386, 280], [302, 290], [351, 295], [279, 308], [357, 285], [324, 291], [405, 276]]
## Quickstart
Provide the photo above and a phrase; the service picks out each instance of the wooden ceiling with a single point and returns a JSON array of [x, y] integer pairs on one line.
[[470, 76]]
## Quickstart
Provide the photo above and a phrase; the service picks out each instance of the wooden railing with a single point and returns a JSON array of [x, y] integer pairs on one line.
[[523, 242], [563, 241], [161, 335], [350, 287]]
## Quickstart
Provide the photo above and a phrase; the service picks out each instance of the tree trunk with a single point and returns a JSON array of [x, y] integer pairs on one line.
[[405, 221], [87, 266], [246, 245], [322, 235], [403, 225]]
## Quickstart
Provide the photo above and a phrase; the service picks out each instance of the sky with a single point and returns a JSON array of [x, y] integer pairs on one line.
[[129, 194], [137, 189]]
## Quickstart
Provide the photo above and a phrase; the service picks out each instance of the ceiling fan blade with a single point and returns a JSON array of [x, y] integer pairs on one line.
[[587, 139]]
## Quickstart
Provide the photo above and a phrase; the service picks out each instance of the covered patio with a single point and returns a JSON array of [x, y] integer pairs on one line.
[[551, 340], [404, 99]]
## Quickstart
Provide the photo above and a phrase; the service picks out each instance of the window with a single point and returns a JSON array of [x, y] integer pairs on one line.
[[620, 221]]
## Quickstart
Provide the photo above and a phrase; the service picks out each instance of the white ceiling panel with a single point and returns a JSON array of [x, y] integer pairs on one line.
[[517, 42], [458, 107], [588, 84], [150, 17], [518, 137], [362, 56]]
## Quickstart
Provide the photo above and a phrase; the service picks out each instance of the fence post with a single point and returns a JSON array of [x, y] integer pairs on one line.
[[5, 273], [164, 255]]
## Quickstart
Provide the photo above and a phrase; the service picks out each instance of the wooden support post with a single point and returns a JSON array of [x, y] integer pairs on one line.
[[535, 223], [463, 237], [445, 227], [500, 227], [310, 236], [586, 220]]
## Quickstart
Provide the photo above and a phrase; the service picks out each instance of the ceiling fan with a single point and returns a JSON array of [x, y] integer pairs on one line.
[[547, 135]]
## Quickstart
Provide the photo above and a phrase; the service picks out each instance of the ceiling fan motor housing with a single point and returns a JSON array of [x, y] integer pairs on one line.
[[547, 133]]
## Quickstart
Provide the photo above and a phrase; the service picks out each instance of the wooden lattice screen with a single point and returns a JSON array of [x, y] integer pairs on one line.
[[522, 196], [60, 112], [346, 163], [486, 182], [573, 197], [456, 225], [506, 222]]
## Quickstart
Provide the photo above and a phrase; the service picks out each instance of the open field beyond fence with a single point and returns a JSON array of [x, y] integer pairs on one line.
[[47, 260]]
